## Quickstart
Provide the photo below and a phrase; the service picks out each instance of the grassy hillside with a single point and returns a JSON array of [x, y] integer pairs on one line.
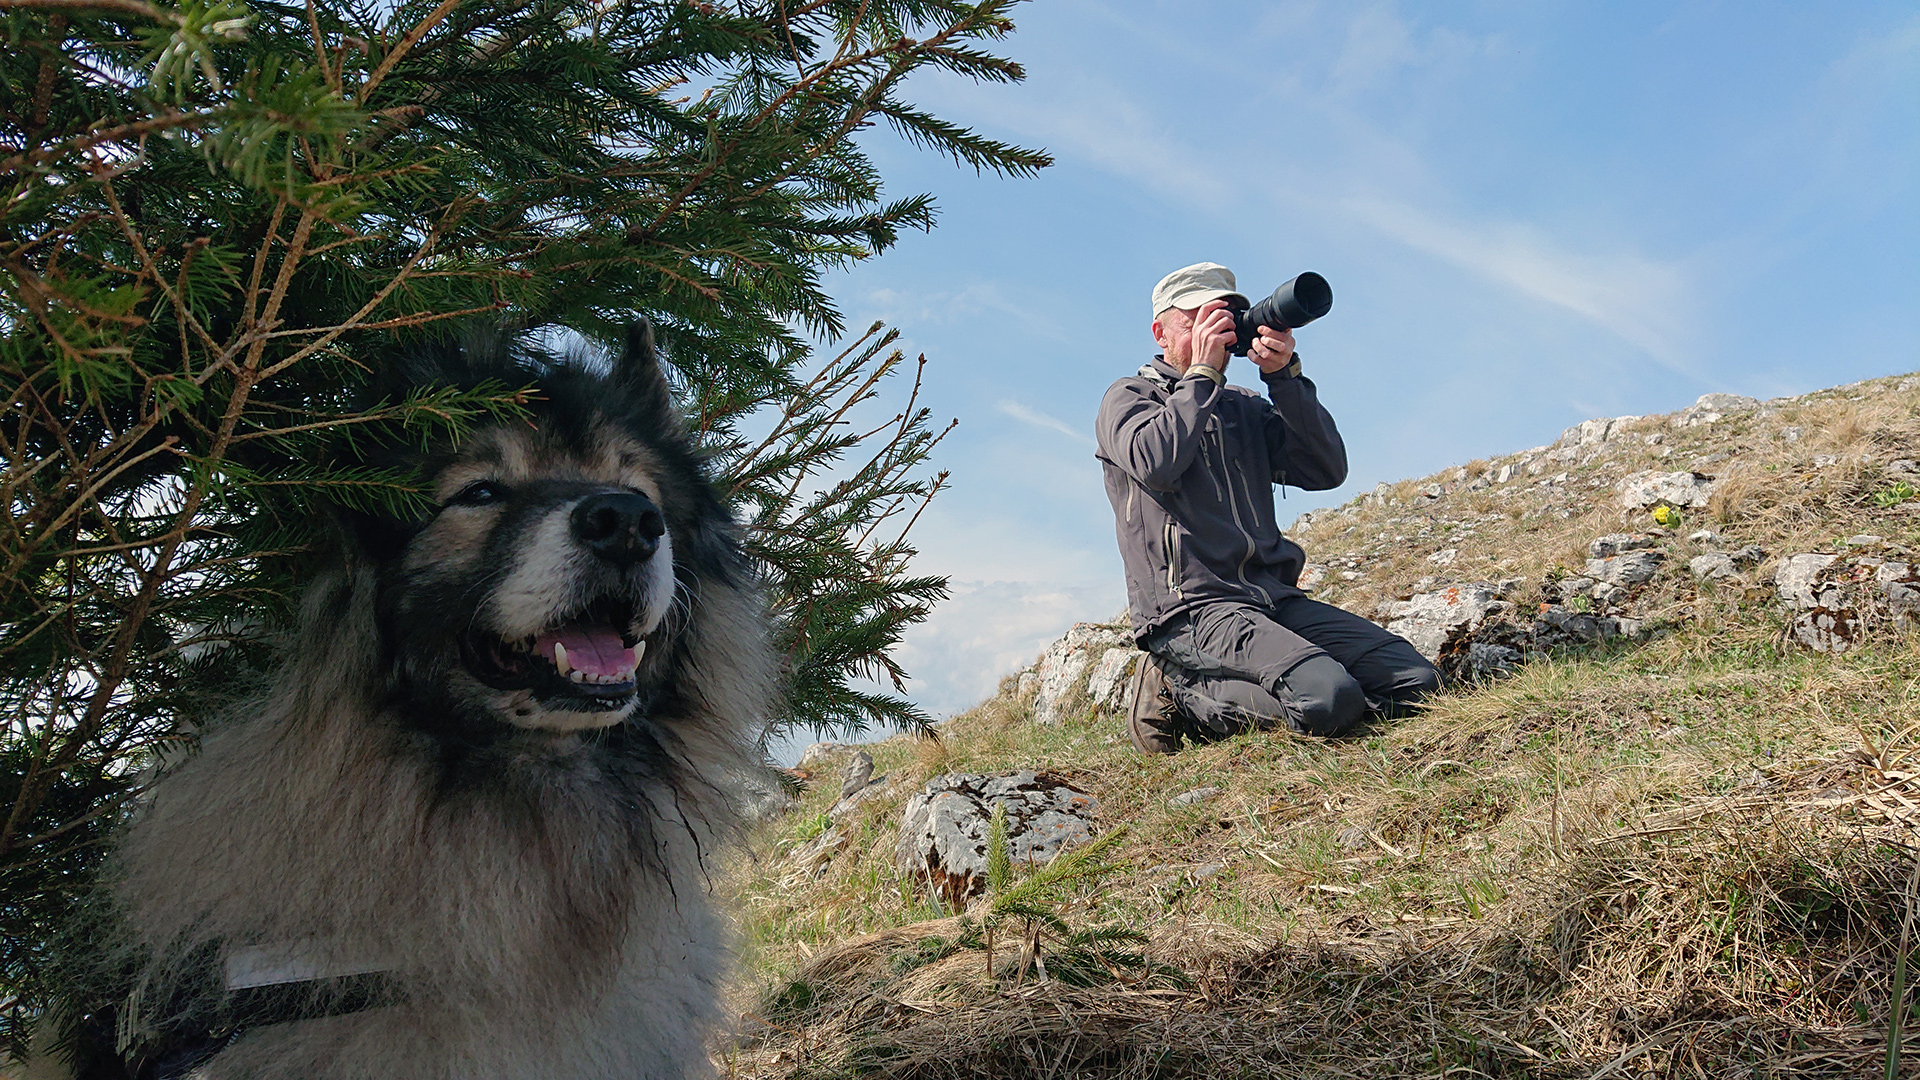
[[1689, 854]]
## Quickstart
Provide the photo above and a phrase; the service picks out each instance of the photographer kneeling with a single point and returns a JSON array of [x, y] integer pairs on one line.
[[1190, 465]]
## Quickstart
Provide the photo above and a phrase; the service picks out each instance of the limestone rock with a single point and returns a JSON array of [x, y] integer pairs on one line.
[[1633, 568], [1798, 578], [1825, 629], [1713, 566], [943, 829], [1712, 407], [822, 755], [1900, 585], [1648, 489], [1485, 660], [858, 773], [1606, 547], [1577, 586], [1838, 602], [1062, 669], [1593, 432], [813, 858], [1111, 680], [878, 788], [1195, 797], [1431, 620]]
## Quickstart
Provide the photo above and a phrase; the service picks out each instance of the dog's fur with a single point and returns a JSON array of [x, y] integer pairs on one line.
[[522, 865]]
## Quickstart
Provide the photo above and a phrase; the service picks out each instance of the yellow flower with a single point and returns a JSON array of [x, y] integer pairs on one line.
[[1667, 516]]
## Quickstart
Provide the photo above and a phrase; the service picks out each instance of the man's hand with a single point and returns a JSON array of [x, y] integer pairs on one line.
[[1212, 334], [1272, 349]]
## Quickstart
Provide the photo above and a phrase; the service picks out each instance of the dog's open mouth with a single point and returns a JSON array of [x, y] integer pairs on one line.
[[587, 661]]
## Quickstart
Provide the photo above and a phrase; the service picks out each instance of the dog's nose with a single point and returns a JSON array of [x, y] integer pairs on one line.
[[621, 527]]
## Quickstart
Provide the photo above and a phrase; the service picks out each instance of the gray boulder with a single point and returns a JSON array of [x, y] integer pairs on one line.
[[1633, 568], [1112, 680], [1713, 566], [1063, 668], [943, 828], [1593, 432], [822, 755], [1899, 584], [1606, 547], [1825, 629], [1648, 489], [1797, 578], [1431, 620], [1557, 625], [858, 773], [1487, 660], [1837, 603], [1712, 407]]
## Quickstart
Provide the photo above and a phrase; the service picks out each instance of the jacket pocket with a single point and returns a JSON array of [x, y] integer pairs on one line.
[[1172, 547]]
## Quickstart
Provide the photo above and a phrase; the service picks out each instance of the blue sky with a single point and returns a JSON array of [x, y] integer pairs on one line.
[[1531, 214]]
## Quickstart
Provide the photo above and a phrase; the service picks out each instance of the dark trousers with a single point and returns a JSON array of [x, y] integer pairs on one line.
[[1232, 666]]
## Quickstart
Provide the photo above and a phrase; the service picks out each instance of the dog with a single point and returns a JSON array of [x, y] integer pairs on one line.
[[464, 833]]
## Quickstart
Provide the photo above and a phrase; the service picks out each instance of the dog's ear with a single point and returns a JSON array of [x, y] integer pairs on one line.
[[638, 370]]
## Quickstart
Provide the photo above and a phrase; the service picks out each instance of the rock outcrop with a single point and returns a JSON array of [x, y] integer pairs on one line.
[[1837, 600], [943, 828], [1089, 665], [1645, 490]]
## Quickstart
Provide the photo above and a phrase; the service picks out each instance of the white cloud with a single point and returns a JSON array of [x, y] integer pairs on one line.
[[1095, 122], [990, 629], [1637, 299], [945, 307], [1042, 420], [986, 631]]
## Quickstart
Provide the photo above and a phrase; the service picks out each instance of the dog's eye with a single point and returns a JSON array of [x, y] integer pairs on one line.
[[479, 493]]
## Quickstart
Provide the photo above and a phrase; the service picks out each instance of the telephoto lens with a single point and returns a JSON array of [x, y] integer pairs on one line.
[[1294, 304]]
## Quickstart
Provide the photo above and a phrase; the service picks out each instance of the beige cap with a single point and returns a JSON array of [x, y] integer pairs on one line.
[[1191, 286]]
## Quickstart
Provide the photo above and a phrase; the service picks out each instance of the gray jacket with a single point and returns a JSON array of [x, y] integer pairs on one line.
[[1190, 468]]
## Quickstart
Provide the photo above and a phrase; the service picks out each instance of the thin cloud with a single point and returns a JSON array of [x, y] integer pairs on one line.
[[1042, 420], [1631, 297]]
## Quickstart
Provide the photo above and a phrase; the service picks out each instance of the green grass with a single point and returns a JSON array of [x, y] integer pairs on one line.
[[1688, 857]]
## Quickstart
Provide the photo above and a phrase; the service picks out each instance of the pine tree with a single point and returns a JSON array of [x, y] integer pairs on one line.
[[221, 220]]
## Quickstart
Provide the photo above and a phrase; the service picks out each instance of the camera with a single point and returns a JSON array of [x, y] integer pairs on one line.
[[1294, 304]]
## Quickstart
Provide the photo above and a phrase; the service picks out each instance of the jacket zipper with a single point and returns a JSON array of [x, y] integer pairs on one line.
[[1233, 504], [1173, 558]]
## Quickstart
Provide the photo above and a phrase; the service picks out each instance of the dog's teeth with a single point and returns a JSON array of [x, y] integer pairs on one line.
[[560, 659], [639, 650], [578, 676]]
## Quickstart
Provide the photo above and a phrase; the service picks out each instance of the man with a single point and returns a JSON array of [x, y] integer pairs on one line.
[[1190, 465]]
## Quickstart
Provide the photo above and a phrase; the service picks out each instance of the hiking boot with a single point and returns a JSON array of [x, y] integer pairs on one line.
[[1152, 721]]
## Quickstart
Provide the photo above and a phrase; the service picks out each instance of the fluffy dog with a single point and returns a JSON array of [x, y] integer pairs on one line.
[[463, 834]]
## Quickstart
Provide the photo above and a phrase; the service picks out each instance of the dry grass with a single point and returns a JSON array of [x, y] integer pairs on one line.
[[1686, 858]]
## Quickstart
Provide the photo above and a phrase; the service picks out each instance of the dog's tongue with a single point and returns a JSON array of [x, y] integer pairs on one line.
[[596, 650]]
